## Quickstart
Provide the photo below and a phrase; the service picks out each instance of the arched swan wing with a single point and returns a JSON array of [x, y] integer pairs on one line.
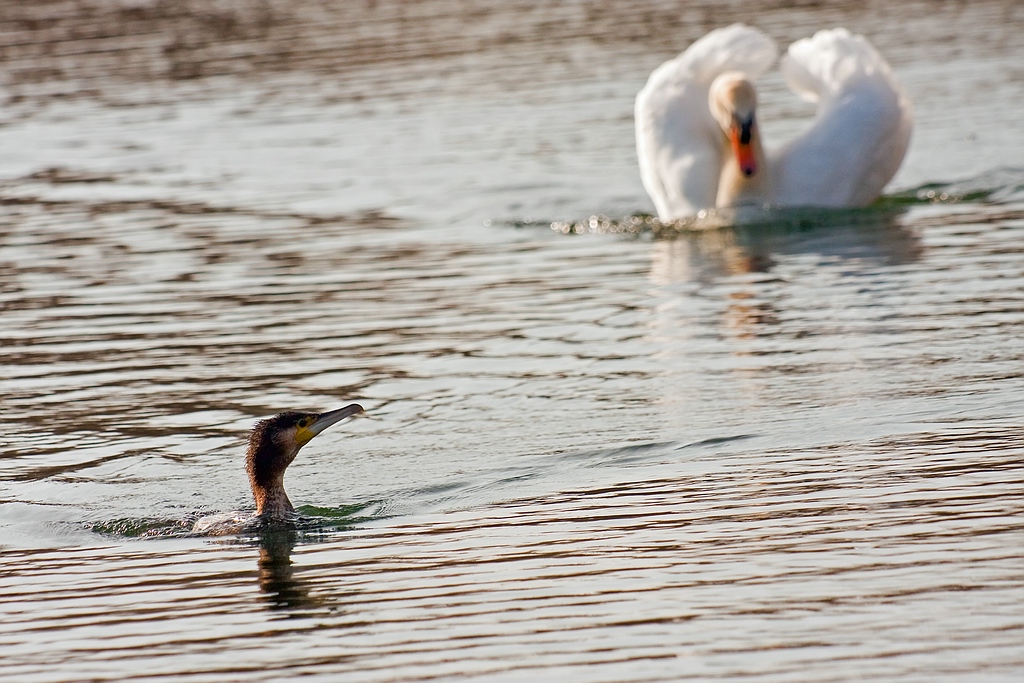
[[860, 132], [679, 145]]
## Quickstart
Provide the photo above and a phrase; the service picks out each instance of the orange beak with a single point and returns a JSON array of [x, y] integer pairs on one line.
[[743, 149]]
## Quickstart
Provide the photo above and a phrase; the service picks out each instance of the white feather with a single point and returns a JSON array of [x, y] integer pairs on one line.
[[851, 150], [677, 140]]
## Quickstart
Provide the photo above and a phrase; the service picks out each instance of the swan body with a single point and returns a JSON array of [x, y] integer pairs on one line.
[[698, 141]]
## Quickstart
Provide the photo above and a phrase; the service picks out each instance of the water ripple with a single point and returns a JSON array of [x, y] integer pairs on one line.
[[782, 446], [866, 547]]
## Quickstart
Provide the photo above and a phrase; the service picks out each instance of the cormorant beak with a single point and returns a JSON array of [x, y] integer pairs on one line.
[[325, 420], [741, 136]]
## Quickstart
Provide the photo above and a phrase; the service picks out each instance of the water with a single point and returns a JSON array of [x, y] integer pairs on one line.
[[595, 449]]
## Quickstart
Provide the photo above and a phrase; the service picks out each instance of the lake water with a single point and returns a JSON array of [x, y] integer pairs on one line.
[[787, 451]]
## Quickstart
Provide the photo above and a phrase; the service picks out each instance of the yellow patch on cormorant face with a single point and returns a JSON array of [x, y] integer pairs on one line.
[[303, 435]]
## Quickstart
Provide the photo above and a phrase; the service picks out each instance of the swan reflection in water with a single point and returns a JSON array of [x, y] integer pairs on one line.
[[755, 246], [749, 264]]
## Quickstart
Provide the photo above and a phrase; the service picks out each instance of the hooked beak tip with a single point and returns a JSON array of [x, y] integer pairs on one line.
[[332, 417]]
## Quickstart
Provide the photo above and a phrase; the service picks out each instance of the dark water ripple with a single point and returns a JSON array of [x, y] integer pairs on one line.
[[103, 385], [849, 554], [803, 502]]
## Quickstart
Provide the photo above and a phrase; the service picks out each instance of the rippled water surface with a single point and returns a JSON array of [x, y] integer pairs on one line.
[[595, 448]]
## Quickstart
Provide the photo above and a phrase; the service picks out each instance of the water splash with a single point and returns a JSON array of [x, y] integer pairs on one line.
[[1003, 185], [308, 519]]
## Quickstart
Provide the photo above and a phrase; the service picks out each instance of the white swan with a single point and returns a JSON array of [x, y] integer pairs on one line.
[[697, 136]]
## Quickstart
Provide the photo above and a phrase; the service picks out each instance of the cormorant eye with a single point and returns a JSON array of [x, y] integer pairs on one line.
[[305, 422]]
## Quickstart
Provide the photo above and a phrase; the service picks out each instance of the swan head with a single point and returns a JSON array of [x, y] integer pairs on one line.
[[733, 101]]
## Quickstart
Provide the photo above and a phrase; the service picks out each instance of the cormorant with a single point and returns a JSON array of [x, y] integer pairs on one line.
[[273, 444]]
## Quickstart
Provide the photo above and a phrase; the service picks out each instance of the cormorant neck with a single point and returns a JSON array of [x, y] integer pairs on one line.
[[266, 462], [272, 500]]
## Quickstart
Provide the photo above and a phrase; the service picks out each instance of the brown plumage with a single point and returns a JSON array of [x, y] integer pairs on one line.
[[273, 445]]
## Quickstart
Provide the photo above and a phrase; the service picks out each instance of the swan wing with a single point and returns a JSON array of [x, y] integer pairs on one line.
[[679, 145], [860, 132]]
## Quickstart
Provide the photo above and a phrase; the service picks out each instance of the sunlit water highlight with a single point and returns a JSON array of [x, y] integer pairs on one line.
[[596, 447]]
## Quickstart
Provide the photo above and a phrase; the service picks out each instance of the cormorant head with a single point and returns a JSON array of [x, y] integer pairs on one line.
[[273, 445]]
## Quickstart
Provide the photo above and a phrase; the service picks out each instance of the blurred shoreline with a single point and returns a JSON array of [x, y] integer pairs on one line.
[[60, 48]]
